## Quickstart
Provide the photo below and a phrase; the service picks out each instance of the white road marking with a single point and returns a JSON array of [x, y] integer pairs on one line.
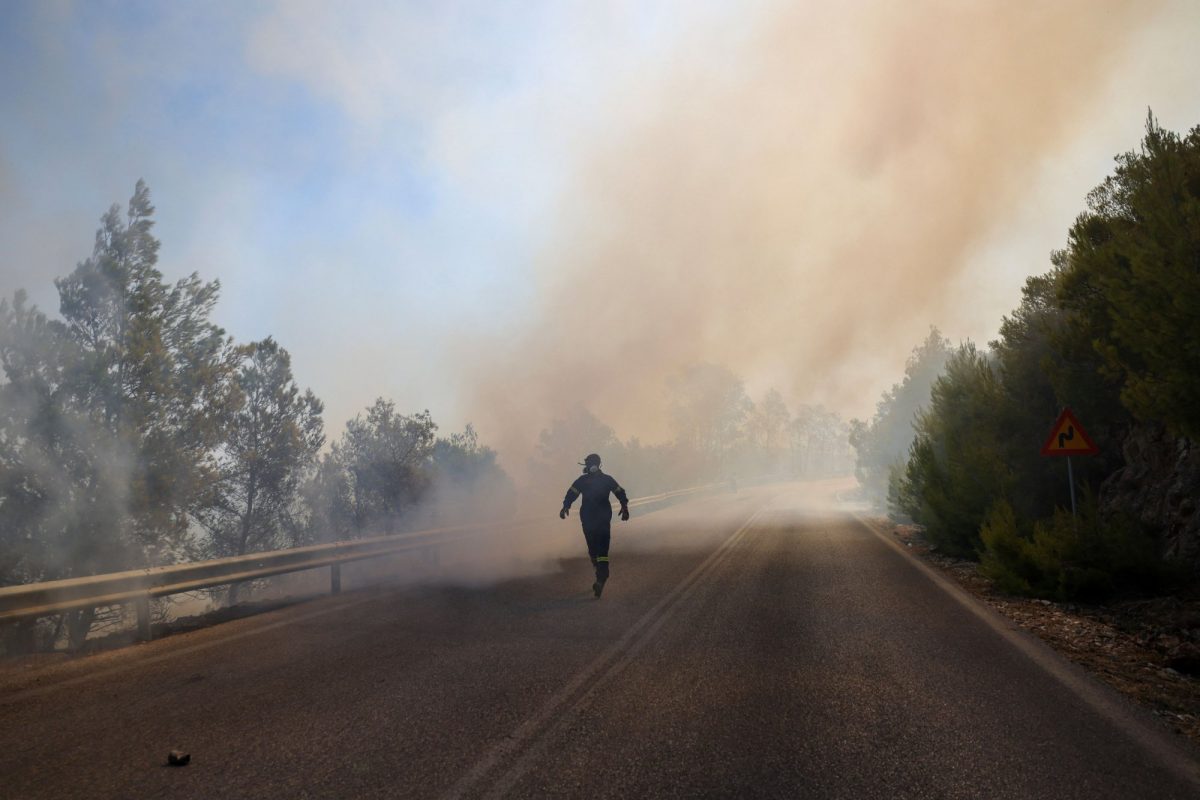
[[535, 730]]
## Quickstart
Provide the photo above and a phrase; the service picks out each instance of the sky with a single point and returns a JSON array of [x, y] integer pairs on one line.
[[498, 211]]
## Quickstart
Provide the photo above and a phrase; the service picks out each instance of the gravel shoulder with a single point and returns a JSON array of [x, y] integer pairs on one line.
[[1147, 649]]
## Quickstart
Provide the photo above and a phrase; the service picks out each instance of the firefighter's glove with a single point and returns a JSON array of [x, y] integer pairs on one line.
[[562, 514], [625, 513]]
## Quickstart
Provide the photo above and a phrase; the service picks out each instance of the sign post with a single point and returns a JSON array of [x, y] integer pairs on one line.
[[1068, 438]]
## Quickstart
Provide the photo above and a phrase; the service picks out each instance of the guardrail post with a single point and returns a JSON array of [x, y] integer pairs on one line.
[[142, 604], [335, 578]]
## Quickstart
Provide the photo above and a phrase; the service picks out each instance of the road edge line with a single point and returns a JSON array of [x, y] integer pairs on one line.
[[138, 657], [1103, 699]]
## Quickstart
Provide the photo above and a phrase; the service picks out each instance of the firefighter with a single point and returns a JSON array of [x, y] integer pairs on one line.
[[595, 512]]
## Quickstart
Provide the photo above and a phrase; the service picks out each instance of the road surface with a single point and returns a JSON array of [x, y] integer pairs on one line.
[[763, 643]]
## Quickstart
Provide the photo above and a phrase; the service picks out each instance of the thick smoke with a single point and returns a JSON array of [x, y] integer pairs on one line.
[[792, 200]]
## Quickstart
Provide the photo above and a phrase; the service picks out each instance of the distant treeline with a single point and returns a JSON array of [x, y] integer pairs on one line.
[[134, 432], [718, 434], [1113, 332]]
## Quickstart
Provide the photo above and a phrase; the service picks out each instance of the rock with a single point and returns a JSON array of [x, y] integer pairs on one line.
[[1158, 485], [1168, 643], [1185, 659], [178, 758]]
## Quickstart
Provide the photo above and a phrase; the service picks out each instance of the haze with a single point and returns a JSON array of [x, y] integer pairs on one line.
[[523, 209]]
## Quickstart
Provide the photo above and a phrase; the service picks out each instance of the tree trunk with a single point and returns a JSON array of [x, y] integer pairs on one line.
[[79, 623], [244, 539]]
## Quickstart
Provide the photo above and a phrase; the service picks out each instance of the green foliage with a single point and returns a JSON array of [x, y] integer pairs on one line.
[[462, 460], [883, 443], [956, 467], [1044, 365], [467, 481], [134, 432], [1064, 558], [151, 371], [1112, 331], [1005, 554], [386, 458], [110, 416], [62, 483], [270, 439], [390, 471], [899, 492], [1131, 277], [327, 503]]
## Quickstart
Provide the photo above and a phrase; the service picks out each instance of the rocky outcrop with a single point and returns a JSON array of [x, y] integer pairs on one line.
[[1160, 485]]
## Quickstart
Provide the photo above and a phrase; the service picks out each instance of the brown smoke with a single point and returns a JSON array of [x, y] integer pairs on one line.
[[793, 200]]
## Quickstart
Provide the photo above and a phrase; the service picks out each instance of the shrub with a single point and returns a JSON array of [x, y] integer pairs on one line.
[[1086, 558], [1005, 554]]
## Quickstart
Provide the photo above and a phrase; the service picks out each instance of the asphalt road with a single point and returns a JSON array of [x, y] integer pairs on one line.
[[759, 644]]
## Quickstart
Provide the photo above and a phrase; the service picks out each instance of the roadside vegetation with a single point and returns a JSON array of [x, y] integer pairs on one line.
[[135, 432], [1113, 332]]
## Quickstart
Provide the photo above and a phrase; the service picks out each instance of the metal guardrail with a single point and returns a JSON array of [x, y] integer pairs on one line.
[[33, 600]]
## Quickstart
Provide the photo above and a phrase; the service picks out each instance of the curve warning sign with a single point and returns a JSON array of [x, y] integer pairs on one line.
[[1068, 438]]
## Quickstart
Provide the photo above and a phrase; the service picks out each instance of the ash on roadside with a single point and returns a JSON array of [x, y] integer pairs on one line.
[[1147, 649]]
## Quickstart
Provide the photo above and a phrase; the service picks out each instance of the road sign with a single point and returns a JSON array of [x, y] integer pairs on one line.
[[1068, 438]]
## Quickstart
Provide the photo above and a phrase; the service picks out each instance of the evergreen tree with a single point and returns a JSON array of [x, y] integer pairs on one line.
[[386, 457], [957, 467], [326, 512], [1132, 277], [109, 418], [269, 441], [62, 482], [153, 373], [882, 444]]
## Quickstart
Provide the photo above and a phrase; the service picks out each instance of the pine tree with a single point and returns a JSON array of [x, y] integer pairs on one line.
[[153, 373], [1132, 277], [269, 441]]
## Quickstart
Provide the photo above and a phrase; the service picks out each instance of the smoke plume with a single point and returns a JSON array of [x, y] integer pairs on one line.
[[792, 199]]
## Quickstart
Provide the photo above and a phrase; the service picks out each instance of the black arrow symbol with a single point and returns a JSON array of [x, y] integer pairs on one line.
[[1063, 438]]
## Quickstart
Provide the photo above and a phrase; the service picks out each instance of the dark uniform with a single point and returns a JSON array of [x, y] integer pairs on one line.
[[595, 512]]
